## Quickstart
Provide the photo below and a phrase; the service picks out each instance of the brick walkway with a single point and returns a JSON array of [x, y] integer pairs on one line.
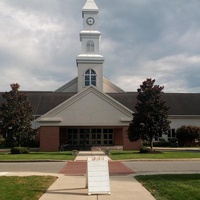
[[79, 168]]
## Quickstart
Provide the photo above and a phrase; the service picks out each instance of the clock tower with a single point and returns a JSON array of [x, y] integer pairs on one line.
[[90, 62]]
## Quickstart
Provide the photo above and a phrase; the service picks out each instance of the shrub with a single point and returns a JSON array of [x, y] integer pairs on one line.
[[19, 150], [107, 151], [161, 144], [187, 134], [144, 149], [1, 140]]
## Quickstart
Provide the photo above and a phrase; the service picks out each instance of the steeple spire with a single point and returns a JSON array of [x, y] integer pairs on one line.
[[90, 5]]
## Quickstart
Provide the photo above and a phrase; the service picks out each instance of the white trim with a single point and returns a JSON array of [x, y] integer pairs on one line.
[[126, 119], [55, 120]]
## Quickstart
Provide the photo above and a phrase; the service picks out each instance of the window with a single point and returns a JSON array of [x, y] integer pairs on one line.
[[90, 46], [172, 133], [90, 77], [107, 136]]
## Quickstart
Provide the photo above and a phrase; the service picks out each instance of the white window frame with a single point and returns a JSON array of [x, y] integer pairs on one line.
[[91, 76], [90, 46]]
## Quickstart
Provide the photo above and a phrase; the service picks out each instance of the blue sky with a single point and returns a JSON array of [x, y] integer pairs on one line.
[[159, 39]]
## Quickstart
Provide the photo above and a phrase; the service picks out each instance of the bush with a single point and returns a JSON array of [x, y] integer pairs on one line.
[[144, 149], [187, 134], [161, 144], [1, 140], [19, 150], [107, 151]]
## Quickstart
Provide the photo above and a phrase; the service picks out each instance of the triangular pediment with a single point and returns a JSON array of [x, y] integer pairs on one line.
[[90, 107]]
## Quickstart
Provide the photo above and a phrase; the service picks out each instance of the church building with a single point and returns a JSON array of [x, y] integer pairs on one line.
[[89, 116], [90, 110]]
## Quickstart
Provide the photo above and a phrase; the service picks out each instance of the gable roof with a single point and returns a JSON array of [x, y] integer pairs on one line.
[[88, 107], [72, 86], [179, 103]]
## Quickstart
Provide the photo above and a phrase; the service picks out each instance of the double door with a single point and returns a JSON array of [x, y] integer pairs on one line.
[[90, 136]]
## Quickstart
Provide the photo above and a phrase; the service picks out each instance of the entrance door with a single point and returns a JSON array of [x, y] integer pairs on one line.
[[84, 137], [90, 136]]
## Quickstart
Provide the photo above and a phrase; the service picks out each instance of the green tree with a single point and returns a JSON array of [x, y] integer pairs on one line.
[[150, 119], [15, 117], [187, 134]]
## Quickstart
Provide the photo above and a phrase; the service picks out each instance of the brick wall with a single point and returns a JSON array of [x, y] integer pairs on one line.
[[118, 137], [127, 144], [49, 139]]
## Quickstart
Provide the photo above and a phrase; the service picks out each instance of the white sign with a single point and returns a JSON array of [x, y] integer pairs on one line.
[[98, 181]]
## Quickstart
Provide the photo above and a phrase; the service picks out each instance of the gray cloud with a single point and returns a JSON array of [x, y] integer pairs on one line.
[[39, 43]]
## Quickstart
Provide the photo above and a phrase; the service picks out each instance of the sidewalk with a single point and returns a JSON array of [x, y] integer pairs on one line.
[[83, 155], [73, 187]]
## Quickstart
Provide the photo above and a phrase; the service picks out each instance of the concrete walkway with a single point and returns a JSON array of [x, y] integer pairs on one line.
[[73, 187], [84, 155]]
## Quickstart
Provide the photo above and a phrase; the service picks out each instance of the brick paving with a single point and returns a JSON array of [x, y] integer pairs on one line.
[[79, 168]]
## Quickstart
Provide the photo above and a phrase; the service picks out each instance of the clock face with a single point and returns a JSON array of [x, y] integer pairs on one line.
[[90, 21]]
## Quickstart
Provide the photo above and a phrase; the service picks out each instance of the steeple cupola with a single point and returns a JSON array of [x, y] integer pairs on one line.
[[90, 62]]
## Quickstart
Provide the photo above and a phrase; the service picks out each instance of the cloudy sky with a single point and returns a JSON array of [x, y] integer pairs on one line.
[[160, 39]]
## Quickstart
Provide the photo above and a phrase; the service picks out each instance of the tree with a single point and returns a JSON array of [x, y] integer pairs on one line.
[[15, 117], [187, 134], [150, 119]]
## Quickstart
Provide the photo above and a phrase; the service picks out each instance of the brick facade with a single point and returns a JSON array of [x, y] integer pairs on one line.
[[118, 137], [127, 145], [49, 139]]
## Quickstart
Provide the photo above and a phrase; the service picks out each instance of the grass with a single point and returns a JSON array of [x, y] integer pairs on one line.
[[123, 155], [26, 188], [115, 155], [61, 155], [172, 187]]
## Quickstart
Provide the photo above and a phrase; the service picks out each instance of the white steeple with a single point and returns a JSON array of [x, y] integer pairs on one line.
[[90, 62], [90, 5]]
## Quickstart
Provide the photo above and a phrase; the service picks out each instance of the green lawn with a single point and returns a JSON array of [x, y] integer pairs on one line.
[[115, 155], [61, 155], [172, 187], [26, 188], [122, 155]]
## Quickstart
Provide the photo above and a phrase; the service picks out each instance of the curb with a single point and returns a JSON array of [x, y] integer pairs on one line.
[[127, 160], [159, 160]]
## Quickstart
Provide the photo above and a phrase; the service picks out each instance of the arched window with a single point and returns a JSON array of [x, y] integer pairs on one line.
[[90, 77], [90, 46]]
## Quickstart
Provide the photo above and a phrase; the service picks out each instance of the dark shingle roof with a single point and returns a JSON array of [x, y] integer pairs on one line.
[[179, 103], [42, 102]]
